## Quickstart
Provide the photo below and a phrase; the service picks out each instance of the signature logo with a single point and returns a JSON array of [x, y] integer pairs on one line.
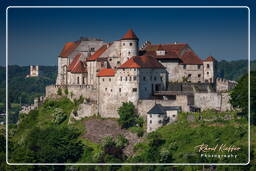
[[217, 148]]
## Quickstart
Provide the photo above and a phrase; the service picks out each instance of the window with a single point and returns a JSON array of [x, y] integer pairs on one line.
[[151, 115], [161, 78], [77, 80], [160, 121], [121, 78], [118, 62], [207, 73], [173, 116], [144, 78], [189, 75], [145, 88], [199, 81], [125, 78], [123, 44], [184, 66], [150, 121], [159, 115], [92, 49], [129, 53], [199, 75], [130, 78], [109, 79], [102, 79], [198, 66], [111, 90], [83, 81], [208, 66], [134, 69], [110, 59], [123, 69], [134, 78], [155, 78], [150, 78], [134, 90], [120, 90], [106, 89], [160, 52]]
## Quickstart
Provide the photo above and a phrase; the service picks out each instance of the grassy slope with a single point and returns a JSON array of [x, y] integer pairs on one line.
[[183, 136]]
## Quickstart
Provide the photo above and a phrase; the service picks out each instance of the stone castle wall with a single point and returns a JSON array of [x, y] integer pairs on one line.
[[217, 101]]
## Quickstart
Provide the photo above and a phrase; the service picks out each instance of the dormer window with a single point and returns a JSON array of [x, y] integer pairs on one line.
[[160, 52]]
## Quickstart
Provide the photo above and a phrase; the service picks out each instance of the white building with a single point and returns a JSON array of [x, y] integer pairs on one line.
[[160, 115]]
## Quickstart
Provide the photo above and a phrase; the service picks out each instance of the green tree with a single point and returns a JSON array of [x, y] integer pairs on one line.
[[239, 95], [51, 145], [127, 115]]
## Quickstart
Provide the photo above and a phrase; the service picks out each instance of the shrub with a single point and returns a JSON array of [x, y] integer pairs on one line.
[[58, 116], [59, 92], [121, 141], [137, 130], [66, 91]]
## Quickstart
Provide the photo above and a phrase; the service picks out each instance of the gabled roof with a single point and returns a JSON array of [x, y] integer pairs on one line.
[[130, 35], [159, 109], [68, 48], [97, 54], [76, 65], [210, 58], [190, 58], [141, 62], [180, 51], [106, 72]]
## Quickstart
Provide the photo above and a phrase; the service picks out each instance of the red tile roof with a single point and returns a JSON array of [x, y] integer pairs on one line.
[[130, 35], [210, 58], [142, 62], [191, 58], [68, 48], [180, 51], [97, 54], [76, 65], [106, 72]]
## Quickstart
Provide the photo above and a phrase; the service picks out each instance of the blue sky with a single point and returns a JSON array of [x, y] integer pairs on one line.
[[36, 36]]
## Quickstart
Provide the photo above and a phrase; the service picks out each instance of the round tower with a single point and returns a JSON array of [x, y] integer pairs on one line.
[[129, 46]]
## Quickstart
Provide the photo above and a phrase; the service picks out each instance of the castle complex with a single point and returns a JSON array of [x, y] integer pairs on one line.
[[108, 74]]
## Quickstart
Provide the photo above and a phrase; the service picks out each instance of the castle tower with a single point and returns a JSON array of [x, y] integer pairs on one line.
[[129, 46], [210, 69], [34, 71], [63, 62]]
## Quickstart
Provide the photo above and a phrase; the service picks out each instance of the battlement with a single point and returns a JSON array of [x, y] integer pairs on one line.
[[223, 85]]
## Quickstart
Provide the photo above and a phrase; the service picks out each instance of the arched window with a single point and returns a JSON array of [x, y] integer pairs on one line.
[[77, 80]]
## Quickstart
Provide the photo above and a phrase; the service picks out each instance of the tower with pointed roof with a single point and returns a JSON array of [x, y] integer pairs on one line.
[[129, 46]]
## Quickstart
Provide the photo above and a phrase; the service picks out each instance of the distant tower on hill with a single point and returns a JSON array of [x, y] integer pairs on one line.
[[34, 71]]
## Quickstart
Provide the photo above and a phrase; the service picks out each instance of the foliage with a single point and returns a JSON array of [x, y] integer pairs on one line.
[[58, 116], [66, 91], [51, 144], [137, 130], [128, 117], [233, 70], [59, 92], [22, 89], [239, 95], [176, 142], [121, 141]]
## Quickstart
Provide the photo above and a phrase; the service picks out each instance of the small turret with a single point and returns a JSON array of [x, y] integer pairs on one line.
[[209, 69], [129, 46]]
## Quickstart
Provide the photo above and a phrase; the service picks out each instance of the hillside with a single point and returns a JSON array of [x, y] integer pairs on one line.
[[233, 70], [24, 90]]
